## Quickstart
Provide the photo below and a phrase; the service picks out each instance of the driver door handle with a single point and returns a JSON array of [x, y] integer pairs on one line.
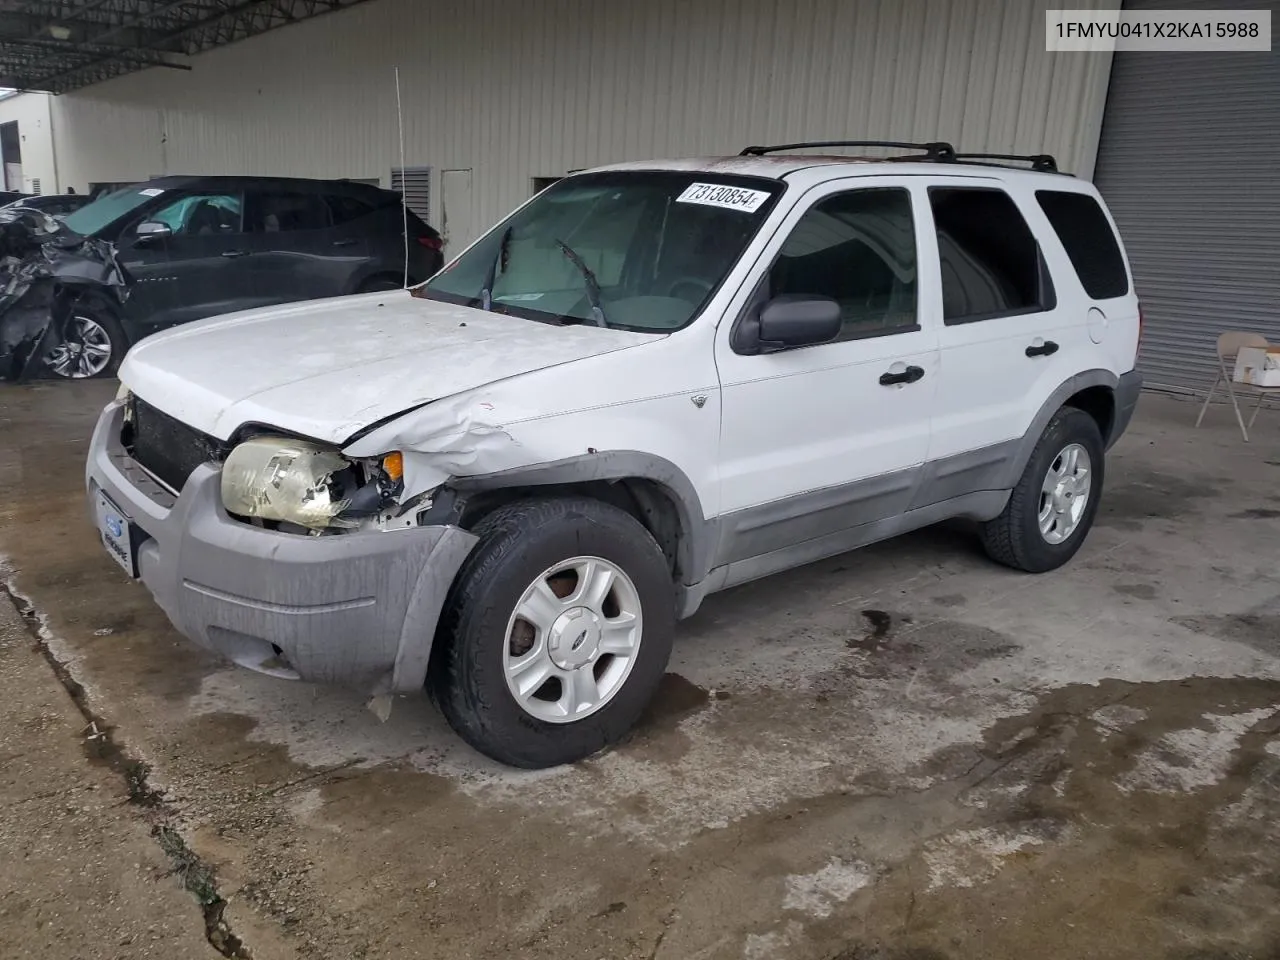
[[909, 375], [345, 243], [1048, 348], [234, 253]]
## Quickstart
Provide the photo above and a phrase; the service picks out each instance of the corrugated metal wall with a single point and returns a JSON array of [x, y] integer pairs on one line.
[[1188, 164], [515, 89]]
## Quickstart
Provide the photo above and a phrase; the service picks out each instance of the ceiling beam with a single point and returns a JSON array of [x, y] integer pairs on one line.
[[61, 46]]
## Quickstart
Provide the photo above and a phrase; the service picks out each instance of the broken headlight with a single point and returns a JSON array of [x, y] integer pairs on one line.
[[285, 480]]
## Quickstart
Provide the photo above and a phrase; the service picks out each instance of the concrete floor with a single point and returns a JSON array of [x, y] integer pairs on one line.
[[905, 753]]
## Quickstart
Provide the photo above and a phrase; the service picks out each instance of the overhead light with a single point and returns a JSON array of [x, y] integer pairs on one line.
[[59, 32]]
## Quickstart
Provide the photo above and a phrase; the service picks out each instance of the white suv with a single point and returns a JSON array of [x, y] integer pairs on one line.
[[651, 382]]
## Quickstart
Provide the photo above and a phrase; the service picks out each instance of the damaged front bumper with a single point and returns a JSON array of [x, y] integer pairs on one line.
[[357, 609]]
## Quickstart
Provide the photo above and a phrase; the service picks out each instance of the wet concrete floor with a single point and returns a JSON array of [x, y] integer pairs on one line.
[[905, 753]]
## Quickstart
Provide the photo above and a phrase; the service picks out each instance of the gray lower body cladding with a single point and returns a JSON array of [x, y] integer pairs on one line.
[[355, 609]]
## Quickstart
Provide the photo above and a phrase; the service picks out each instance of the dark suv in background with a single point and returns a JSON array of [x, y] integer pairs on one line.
[[196, 247]]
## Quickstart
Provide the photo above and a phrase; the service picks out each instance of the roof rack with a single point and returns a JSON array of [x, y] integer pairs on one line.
[[1042, 162], [933, 151], [939, 152]]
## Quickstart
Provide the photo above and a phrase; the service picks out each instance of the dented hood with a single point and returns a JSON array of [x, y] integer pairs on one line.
[[326, 369]]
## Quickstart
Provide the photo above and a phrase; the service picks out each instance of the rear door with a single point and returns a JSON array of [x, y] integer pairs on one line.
[[295, 250], [198, 271], [1008, 337]]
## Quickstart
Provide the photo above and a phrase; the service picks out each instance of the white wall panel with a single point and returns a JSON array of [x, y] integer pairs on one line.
[[31, 111], [520, 88]]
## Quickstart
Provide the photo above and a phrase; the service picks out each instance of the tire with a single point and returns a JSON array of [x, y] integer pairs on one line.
[[88, 331], [480, 631], [380, 285], [1015, 538]]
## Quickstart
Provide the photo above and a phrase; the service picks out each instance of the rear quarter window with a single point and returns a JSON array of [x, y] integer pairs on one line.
[[346, 209], [1091, 245]]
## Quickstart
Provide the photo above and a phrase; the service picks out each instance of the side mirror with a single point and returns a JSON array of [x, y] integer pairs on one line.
[[152, 230], [798, 320]]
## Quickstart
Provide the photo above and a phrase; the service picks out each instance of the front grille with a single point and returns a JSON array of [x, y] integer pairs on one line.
[[167, 448]]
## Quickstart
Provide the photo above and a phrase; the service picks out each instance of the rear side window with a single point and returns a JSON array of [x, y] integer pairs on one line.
[[346, 209], [991, 262], [1090, 242], [284, 212]]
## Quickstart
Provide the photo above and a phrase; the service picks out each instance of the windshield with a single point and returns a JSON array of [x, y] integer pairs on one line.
[[108, 208], [637, 250]]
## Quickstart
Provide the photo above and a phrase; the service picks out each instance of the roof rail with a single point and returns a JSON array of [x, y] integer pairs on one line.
[[1042, 162], [933, 151]]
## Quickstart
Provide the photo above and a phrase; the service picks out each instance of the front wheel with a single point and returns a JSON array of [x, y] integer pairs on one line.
[[93, 347], [555, 633], [1053, 505]]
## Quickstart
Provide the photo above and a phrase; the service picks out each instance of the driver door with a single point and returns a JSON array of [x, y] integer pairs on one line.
[[196, 271], [817, 441]]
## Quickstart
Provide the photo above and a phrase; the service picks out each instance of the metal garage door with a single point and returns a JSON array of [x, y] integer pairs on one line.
[[1189, 162]]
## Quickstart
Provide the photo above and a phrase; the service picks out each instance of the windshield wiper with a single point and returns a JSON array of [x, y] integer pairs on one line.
[[490, 278], [593, 288]]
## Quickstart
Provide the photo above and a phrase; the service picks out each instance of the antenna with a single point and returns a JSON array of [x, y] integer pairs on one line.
[[404, 200]]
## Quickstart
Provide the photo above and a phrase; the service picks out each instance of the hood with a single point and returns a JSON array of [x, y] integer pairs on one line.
[[326, 369]]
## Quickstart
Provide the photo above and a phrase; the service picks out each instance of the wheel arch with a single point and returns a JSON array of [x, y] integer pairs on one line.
[[653, 490], [1093, 391]]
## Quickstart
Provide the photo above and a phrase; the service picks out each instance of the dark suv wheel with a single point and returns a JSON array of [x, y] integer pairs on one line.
[[93, 346]]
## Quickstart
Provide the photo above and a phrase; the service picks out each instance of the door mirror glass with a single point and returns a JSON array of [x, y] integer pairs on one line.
[[799, 320], [152, 230]]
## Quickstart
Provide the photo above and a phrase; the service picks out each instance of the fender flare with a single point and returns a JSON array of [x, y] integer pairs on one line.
[[1065, 391], [697, 540]]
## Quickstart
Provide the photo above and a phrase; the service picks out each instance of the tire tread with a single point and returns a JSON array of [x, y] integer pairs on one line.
[[459, 680], [1007, 539]]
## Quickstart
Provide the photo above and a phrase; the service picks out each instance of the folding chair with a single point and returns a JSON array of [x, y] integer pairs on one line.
[[1229, 345]]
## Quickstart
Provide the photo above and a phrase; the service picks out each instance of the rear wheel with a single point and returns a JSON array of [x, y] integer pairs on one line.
[[1052, 508], [556, 632], [93, 347]]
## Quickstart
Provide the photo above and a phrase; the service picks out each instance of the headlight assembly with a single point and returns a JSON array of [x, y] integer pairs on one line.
[[277, 478]]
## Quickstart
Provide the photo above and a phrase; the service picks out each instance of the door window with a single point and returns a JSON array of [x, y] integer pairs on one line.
[[859, 249], [991, 263], [201, 214], [280, 211]]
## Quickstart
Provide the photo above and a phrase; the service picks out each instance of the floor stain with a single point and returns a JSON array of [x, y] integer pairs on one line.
[[876, 637], [1149, 495], [675, 699], [1143, 591], [1256, 513], [1258, 630]]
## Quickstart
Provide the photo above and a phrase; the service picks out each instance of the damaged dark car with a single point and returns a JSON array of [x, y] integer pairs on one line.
[[75, 293]]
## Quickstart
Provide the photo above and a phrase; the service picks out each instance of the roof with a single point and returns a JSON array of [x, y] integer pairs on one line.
[[177, 182], [56, 46]]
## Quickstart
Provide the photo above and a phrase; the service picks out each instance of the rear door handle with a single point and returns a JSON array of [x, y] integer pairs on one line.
[[234, 253], [1042, 349], [909, 375], [345, 243]]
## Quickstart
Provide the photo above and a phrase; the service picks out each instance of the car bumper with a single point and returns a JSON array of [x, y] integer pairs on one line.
[[356, 609], [1127, 392]]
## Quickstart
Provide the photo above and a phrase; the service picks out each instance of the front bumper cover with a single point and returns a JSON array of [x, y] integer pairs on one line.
[[355, 609]]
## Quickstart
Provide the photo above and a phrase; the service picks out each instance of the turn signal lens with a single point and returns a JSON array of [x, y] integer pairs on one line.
[[393, 464]]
